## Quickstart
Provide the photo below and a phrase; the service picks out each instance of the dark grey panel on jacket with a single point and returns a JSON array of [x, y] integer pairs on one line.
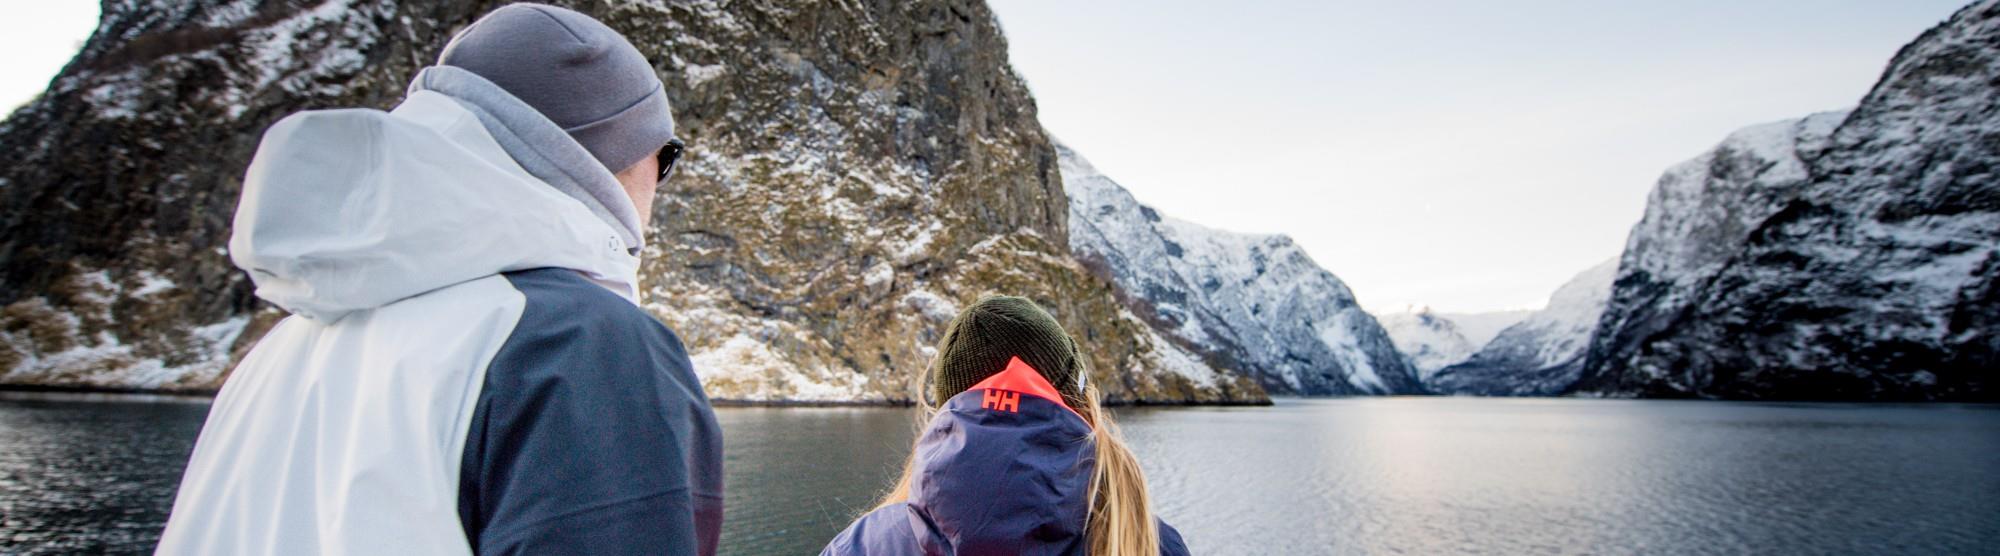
[[592, 434]]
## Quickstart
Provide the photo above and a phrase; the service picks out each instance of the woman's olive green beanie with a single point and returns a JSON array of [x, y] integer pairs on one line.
[[995, 329]]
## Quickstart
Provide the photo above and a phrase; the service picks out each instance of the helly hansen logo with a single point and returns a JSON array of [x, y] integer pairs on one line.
[[1002, 400]]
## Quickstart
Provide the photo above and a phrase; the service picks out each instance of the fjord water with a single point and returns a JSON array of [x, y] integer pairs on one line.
[[84, 474], [1358, 475]]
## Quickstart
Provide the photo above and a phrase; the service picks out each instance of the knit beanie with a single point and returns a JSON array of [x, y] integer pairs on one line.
[[995, 329], [573, 69]]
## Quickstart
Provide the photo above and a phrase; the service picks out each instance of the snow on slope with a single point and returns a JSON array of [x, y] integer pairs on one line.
[[1433, 340], [1703, 209], [1560, 332], [1699, 216], [1481, 328], [1866, 266], [1540, 355], [1256, 303]]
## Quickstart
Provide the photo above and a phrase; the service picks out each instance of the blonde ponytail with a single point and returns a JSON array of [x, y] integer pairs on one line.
[[1121, 512]]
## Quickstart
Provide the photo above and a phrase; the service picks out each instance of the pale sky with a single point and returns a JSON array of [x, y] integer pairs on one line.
[[1466, 155], [37, 37]]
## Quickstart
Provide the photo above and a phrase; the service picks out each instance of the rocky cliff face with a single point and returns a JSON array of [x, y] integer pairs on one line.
[[857, 170], [1250, 302], [1543, 354], [1853, 257], [1699, 216]]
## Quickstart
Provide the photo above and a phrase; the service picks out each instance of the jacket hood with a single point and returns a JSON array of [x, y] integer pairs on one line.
[[1003, 468], [540, 146], [347, 210]]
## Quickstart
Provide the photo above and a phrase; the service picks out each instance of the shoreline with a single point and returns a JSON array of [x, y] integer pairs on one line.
[[85, 389], [209, 393], [11, 392]]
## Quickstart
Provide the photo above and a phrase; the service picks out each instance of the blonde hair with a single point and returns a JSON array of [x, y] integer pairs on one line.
[[1121, 516]]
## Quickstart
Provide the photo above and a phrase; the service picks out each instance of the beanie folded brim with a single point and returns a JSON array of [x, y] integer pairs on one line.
[[629, 136], [989, 334]]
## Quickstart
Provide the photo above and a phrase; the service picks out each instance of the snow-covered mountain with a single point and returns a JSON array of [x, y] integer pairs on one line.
[[1541, 355], [1850, 256], [1433, 340], [1699, 216], [1480, 328], [1255, 303], [1430, 341]]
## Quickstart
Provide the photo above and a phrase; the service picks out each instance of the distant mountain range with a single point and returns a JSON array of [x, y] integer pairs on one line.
[[850, 193], [1433, 340], [1541, 355], [1480, 328], [1430, 341]]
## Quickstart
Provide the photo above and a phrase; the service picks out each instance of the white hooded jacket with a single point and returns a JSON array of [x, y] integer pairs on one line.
[[389, 414]]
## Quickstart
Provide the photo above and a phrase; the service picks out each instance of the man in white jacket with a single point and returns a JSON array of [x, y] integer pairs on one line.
[[466, 369]]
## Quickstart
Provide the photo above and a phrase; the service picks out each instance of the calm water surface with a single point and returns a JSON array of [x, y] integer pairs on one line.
[[1387, 476]]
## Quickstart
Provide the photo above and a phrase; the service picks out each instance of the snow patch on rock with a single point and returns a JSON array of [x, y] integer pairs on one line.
[[743, 368]]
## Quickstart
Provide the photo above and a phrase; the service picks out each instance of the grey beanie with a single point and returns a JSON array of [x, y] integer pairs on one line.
[[573, 69]]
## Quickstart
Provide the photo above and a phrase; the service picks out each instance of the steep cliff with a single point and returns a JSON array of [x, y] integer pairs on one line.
[[857, 170], [1853, 257], [1250, 302]]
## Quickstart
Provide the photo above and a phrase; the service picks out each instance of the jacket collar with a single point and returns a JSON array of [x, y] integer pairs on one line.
[[1003, 468]]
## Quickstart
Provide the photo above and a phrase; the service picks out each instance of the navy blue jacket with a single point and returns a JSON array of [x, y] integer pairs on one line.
[[1006, 475], [592, 434]]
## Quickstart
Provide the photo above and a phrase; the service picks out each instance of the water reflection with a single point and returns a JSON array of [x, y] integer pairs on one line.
[[796, 476], [1426, 476]]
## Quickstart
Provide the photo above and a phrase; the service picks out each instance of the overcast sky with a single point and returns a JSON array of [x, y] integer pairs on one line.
[[1466, 155], [36, 39]]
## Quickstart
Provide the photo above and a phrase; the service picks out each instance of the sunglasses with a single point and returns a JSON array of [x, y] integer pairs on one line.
[[669, 155]]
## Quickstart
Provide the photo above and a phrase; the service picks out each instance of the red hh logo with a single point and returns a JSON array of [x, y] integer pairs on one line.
[[1002, 400]]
